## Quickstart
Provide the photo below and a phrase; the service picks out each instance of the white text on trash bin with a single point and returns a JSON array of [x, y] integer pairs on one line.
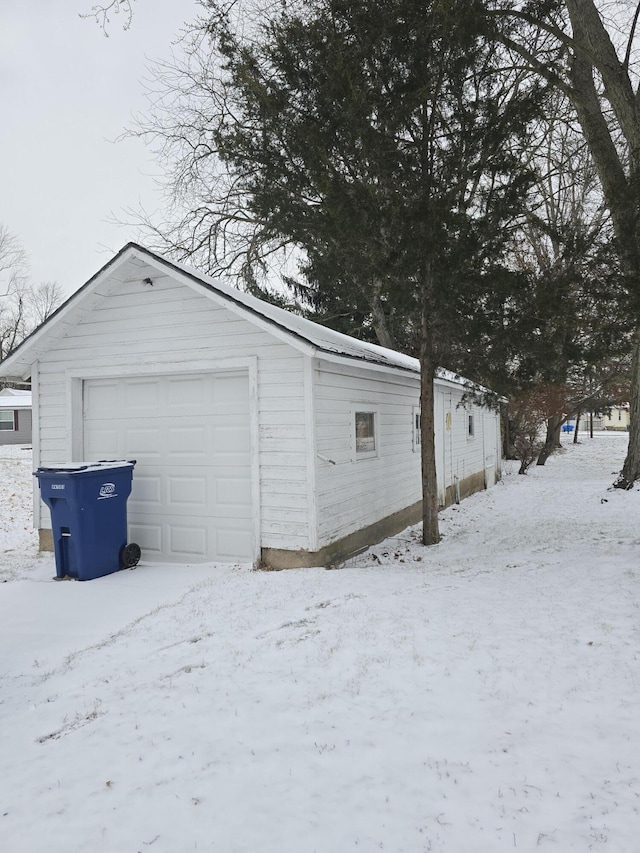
[[107, 490]]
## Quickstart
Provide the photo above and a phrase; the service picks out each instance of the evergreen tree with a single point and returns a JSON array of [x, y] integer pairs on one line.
[[385, 140]]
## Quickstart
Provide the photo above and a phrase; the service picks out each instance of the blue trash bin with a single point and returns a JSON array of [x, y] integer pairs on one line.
[[88, 505]]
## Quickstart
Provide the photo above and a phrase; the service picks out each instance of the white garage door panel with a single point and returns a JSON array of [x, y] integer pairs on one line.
[[147, 535], [146, 491], [102, 441], [188, 491], [216, 441], [203, 491], [189, 541], [190, 436]]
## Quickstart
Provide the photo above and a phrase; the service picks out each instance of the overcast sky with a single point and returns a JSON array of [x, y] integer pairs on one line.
[[67, 92]]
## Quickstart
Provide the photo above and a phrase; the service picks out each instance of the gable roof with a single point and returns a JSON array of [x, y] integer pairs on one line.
[[137, 262], [135, 259]]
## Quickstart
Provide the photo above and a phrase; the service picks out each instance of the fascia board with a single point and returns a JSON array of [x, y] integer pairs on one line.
[[364, 364]]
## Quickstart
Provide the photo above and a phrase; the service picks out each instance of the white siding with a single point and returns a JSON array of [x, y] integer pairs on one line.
[[461, 454], [131, 325], [353, 494]]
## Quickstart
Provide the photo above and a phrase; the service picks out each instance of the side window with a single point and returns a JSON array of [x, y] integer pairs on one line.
[[417, 429], [471, 426], [365, 427], [8, 420]]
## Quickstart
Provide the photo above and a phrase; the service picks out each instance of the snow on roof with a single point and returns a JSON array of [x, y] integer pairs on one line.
[[321, 338], [15, 398]]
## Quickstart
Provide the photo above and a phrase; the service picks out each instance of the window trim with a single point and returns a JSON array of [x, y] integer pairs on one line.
[[14, 420], [365, 409], [416, 428], [471, 425]]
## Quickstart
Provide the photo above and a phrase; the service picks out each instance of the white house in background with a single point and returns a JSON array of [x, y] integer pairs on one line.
[[258, 434], [617, 418], [15, 416]]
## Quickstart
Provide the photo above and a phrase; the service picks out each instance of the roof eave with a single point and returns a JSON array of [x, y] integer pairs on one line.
[[356, 361]]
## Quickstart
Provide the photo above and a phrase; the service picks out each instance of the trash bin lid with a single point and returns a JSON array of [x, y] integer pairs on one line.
[[63, 466], [74, 467]]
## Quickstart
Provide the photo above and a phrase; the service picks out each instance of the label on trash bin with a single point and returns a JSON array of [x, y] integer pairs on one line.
[[107, 490]]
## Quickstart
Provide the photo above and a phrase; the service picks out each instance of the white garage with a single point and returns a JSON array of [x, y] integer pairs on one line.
[[258, 435]]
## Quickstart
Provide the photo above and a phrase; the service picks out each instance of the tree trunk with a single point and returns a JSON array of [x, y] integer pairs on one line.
[[557, 444], [631, 468], [379, 318], [575, 432], [430, 530], [552, 440], [508, 451], [593, 47]]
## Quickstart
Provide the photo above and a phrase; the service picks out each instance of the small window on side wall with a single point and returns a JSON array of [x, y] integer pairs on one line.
[[8, 420], [471, 428], [366, 441], [417, 429]]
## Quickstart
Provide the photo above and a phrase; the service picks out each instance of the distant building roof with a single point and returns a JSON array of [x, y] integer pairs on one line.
[[15, 398]]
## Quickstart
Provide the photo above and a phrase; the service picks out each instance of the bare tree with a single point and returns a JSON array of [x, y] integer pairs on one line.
[[23, 304], [13, 262], [590, 53], [102, 12], [565, 248], [43, 300], [527, 416]]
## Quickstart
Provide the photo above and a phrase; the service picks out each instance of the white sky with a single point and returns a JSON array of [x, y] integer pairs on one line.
[[67, 92]]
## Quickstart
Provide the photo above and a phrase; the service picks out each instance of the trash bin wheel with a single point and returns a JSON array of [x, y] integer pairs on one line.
[[130, 556]]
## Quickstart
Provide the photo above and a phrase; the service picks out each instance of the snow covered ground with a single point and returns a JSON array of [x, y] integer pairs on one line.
[[478, 696]]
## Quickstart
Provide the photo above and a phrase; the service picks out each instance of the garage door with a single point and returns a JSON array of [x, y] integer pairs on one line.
[[190, 435]]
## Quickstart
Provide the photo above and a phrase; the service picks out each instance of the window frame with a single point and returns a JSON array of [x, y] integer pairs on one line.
[[471, 425], [364, 409], [14, 420], [416, 428]]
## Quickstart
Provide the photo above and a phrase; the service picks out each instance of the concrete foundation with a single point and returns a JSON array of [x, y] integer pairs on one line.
[[348, 546], [45, 539], [466, 487]]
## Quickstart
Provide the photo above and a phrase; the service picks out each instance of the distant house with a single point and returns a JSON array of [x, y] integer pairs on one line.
[[616, 418], [258, 434], [15, 416]]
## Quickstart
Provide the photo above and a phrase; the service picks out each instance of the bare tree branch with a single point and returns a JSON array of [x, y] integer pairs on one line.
[[101, 14]]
